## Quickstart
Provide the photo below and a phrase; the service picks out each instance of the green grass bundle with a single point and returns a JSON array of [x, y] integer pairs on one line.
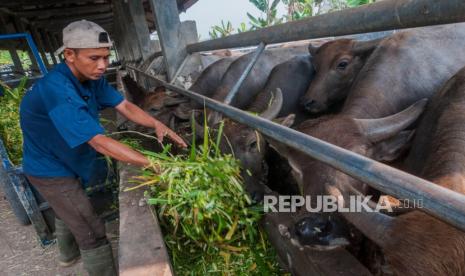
[[209, 224], [10, 130]]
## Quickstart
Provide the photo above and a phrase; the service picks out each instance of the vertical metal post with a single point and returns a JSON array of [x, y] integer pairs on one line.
[[244, 75], [168, 29], [35, 53]]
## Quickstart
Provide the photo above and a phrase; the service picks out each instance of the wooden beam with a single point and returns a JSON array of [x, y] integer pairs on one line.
[[104, 23], [168, 28], [185, 5], [21, 28], [16, 60], [56, 42], [50, 44], [64, 11], [137, 14], [17, 3], [127, 31], [120, 44], [40, 45], [126, 52], [67, 20]]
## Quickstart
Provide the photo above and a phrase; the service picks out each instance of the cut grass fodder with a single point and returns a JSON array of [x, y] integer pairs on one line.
[[10, 130], [209, 224]]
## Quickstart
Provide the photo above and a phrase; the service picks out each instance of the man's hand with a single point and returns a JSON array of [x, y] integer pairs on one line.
[[137, 115], [161, 130]]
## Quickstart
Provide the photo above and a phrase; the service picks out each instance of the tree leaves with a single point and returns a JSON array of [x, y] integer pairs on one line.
[[10, 131], [355, 3], [296, 9], [221, 31]]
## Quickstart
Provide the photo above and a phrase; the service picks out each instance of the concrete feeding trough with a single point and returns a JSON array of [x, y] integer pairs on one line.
[[141, 250]]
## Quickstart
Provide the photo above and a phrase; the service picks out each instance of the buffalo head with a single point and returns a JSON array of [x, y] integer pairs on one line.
[[337, 64], [383, 139], [247, 145]]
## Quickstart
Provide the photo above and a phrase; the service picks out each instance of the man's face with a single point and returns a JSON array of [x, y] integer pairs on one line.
[[88, 64]]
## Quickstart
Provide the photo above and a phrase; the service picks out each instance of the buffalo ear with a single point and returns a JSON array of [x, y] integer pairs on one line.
[[312, 49], [287, 121], [394, 147], [365, 48], [159, 89], [278, 146]]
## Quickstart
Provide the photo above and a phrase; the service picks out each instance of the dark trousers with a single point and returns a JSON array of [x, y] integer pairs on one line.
[[70, 203]]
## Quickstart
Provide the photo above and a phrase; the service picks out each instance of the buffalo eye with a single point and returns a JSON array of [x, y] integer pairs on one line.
[[253, 145], [342, 65]]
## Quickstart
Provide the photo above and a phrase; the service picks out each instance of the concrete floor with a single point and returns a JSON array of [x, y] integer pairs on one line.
[[22, 254]]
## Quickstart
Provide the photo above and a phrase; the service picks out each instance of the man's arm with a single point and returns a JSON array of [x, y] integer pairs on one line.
[[117, 150], [138, 116]]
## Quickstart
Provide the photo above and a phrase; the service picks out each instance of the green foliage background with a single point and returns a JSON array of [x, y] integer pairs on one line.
[[5, 58], [10, 130], [296, 9]]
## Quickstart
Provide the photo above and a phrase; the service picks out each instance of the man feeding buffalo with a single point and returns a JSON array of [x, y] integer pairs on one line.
[[62, 135]]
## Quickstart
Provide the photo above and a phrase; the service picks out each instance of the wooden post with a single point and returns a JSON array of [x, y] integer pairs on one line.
[[50, 45], [121, 23], [56, 45], [20, 28], [40, 45], [168, 28], [16, 60], [137, 14], [121, 45], [129, 32]]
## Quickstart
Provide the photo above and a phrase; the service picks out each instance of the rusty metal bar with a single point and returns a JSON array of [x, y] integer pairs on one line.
[[244, 75], [380, 16], [438, 201]]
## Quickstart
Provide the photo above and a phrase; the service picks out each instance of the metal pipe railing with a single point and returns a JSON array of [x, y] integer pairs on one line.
[[244, 75], [438, 201], [380, 16]]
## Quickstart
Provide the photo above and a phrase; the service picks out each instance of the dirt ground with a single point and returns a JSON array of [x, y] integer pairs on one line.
[[22, 254]]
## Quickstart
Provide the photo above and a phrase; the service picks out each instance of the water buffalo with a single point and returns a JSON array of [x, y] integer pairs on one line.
[[416, 243], [252, 85], [279, 97], [256, 80], [381, 138], [417, 60], [337, 64], [206, 84], [382, 89]]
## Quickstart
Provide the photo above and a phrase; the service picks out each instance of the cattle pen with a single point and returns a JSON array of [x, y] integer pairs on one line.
[[141, 247]]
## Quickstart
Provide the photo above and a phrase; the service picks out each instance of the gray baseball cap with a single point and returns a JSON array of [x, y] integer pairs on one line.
[[84, 34]]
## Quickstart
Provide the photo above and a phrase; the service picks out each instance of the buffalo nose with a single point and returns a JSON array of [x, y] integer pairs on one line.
[[257, 196], [309, 104]]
